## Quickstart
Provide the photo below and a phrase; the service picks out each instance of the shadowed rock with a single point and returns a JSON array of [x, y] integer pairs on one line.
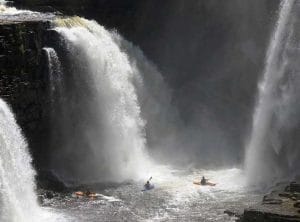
[[281, 205]]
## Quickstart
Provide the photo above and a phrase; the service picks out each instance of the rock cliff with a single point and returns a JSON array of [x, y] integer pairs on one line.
[[23, 78]]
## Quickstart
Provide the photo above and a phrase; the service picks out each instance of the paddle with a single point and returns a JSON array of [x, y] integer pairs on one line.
[[148, 180]]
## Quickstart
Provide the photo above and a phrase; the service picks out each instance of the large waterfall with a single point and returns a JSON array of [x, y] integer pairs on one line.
[[99, 125], [272, 153], [17, 196]]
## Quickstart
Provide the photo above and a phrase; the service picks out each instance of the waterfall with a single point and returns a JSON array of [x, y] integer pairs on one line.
[[55, 73], [99, 128], [272, 152], [163, 124], [17, 196]]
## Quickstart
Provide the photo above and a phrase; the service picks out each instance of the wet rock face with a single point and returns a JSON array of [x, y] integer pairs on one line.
[[257, 216], [281, 205], [23, 83]]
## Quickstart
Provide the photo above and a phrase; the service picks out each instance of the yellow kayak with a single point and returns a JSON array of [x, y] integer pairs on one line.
[[206, 184]]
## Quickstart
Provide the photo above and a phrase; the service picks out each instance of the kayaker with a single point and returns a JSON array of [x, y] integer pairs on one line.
[[88, 193], [203, 181], [147, 184]]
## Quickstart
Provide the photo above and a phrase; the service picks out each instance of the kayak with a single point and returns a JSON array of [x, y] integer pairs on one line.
[[206, 184], [82, 194], [148, 188], [93, 195], [79, 193]]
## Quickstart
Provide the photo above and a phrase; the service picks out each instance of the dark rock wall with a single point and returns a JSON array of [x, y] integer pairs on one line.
[[23, 83]]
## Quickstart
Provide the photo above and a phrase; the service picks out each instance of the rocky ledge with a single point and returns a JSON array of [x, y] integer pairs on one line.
[[280, 205]]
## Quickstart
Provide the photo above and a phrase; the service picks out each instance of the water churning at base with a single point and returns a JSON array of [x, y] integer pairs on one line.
[[271, 153]]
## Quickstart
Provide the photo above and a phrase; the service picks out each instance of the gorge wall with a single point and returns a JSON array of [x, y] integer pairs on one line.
[[23, 83]]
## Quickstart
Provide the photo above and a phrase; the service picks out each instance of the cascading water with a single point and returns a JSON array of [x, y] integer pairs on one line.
[[101, 123], [55, 73], [163, 123], [272, 152], [17, 196]]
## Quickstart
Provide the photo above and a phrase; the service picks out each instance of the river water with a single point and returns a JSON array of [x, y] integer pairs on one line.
[[175, 198]]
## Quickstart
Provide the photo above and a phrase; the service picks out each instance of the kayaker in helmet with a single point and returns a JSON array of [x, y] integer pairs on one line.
[[203, 181], [88, 193], [147, 184]]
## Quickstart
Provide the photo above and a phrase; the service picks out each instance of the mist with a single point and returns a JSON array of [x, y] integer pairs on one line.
[[211, 55]]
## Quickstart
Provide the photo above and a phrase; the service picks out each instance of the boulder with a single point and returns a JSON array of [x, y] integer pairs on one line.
[[256, 215]]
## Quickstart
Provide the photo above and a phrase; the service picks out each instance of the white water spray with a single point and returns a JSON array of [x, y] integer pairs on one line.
[[272, 152], [17, 196], [107, 107], [154, 96]]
